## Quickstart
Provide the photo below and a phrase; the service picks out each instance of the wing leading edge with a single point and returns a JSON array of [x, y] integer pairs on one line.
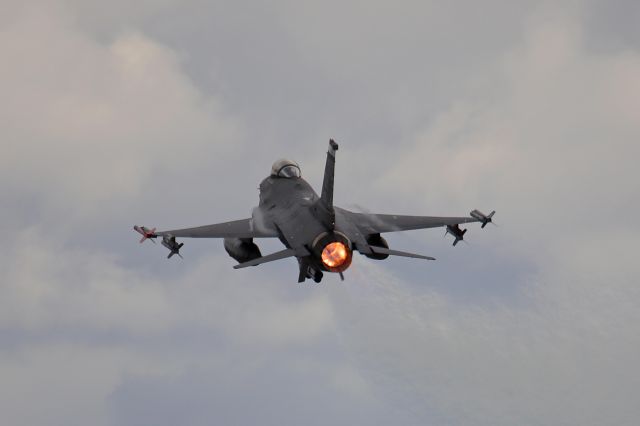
[[243, 228], [372, 224], [380, 223]]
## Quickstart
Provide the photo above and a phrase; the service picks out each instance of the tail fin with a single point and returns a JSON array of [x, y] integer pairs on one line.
[[328, 214], [329, 169]]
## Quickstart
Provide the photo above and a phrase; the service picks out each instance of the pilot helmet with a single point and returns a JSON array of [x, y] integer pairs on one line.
[[286, 169]]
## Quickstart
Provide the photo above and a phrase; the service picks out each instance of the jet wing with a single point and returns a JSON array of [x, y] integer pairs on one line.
[[243, 228], [378, 223]]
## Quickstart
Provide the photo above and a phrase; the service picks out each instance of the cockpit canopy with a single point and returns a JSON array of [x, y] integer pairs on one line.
[[285, 169]]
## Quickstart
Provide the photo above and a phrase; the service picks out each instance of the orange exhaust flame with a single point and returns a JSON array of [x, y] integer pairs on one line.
[[335, 254]]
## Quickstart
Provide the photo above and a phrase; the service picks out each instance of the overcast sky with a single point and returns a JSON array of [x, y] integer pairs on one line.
[[169, 113]]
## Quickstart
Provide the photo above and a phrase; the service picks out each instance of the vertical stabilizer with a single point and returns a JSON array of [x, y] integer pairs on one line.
[[329, 169]]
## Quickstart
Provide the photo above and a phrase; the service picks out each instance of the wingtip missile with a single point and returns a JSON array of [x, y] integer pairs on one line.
[[146, 233], [482, 218]]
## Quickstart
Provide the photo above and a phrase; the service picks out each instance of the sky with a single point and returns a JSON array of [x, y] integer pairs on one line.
[[169, 113]]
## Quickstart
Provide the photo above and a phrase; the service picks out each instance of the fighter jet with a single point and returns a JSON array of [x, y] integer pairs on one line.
[[321, 236]]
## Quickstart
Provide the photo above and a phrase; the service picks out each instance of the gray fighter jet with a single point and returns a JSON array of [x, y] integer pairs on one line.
[[319, 235]]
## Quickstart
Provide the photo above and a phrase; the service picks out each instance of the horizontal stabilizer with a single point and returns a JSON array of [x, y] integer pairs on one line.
[[382, 250], [268, 258]]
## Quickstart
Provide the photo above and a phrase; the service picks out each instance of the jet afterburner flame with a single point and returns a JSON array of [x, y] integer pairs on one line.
[[335, 255]]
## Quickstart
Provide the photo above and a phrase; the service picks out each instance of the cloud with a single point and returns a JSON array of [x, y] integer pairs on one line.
[[87, 123], [553, 151], [563, 357], [87, 126], [81, 328], [552, 141]]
